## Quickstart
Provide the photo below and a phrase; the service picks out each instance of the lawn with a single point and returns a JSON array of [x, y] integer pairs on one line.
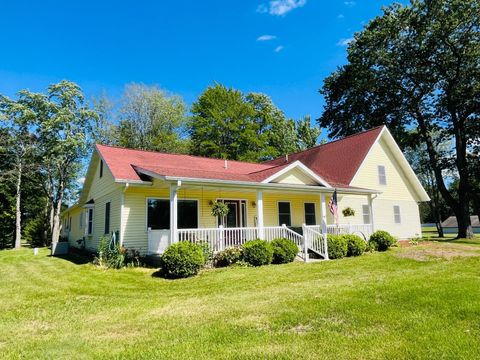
[[416, 302]]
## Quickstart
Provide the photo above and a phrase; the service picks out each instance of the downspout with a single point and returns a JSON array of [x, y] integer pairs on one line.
[[122, 206]]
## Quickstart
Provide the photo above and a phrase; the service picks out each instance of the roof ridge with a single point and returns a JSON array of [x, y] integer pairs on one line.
[[328, 143], [177, 154]]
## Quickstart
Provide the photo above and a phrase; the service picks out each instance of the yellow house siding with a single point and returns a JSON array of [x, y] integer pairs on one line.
[[76, 231], [295, 176], [397, 191], [101, 186]]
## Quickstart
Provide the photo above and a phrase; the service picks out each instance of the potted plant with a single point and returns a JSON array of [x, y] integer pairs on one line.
[[220, 209], [348, 211]]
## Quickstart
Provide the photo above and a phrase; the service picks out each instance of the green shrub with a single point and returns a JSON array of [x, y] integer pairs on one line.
[[337, 246], [257, 252], [227, 257], [381, 240], [284, 251], [110, 255], [181, 260], [207, 252], [355, 245]]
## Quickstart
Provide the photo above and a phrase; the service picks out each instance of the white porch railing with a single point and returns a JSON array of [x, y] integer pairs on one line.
[[315, 241], [363, 230], [220, 238]]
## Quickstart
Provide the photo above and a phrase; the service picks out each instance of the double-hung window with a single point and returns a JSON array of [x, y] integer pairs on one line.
[[90, 221], [382, 175], [310, 214], [107, 218], [366, 214], [396, 214], [284, 215]]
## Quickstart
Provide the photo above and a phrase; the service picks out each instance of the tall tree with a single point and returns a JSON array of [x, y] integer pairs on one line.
[[307, 135], [65, 124], [415, 67], [151, 119], [19, 119]]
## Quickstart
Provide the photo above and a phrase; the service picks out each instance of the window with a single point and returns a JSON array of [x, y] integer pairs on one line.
[[80, 220], [90, 221], [101, 168], [107, 218], [284, 214], [158, 214], [310, 214], [396, 214], [187, 214], [70, 223], [382, 176], [366, 214]]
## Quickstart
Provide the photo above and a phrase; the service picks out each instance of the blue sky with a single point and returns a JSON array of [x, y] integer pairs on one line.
[[284, 48]]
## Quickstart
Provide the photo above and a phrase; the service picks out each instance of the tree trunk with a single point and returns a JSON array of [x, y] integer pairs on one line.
[[57, 226], [18, 211]]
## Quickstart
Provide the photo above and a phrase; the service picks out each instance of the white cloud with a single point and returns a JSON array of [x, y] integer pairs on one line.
[[340, 16], [278, 48], [266, 37], [280, 7], [344, 42], [350, 3], [81, 180]]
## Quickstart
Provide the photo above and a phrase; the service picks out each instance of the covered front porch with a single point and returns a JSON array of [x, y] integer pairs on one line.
[[299, 213]]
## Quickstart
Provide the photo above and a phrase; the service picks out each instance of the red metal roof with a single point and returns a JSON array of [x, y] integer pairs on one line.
[[336, 162]]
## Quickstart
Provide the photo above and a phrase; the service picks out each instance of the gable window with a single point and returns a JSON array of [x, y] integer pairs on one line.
[[158, 214], [310, 214], [366, 214], [284, 216], [101, 168], [107, 218], [382, 176], [396, 214], [90, 221]]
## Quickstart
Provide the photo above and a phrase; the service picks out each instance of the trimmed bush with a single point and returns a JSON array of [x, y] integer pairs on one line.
[[227, 257], [355, 245], [337, 246], [284, 251], [182, 260], [381, 240], [257, 252], [110, 255]]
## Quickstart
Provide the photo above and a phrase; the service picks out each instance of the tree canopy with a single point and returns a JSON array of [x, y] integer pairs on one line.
[[416, 69]]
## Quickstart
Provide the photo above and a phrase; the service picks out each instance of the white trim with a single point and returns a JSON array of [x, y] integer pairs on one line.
[[255, 185], [297, 164], [278, 211]]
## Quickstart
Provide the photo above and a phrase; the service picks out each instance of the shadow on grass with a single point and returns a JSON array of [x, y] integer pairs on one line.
[[77, 257]]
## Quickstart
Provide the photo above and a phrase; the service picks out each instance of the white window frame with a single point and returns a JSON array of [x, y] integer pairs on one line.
[[88, 230], [178, 200], [305, 213], [278, 211], [382, 175], [366, 213], [397, 215]]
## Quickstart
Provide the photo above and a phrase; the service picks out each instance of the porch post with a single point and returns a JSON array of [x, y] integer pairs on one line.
[[261, 232], [323, 206], [370, 209], [173, 213]]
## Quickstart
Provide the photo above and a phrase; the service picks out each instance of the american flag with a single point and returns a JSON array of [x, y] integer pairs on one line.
[[332, 204]]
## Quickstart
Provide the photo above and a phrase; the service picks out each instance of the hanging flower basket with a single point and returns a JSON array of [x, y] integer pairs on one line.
[[348, 211], [219, 209]]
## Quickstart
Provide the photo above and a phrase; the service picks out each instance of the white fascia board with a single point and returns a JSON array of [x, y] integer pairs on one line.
[[297, 165]]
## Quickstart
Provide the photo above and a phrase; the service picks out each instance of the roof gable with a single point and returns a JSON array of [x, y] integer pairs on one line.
[[338, 161]]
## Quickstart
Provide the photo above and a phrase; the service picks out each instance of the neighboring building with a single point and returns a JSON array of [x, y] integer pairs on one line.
[[150, 199], [450, 225]]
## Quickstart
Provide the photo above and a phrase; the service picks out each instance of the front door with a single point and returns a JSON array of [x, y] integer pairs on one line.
[[232, 220]]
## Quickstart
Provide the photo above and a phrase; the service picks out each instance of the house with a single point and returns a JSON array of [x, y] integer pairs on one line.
[[150, 199], [450, 225]]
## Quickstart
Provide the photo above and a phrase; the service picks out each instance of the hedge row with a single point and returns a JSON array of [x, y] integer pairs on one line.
[[340, 246]]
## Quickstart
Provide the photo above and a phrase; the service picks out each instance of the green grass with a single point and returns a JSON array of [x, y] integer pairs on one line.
[[378, 306]]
